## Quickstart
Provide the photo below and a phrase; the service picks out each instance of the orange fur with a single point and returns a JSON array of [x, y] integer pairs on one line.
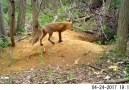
[[54, 27]]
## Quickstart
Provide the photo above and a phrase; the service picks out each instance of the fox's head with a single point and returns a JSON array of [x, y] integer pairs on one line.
[[69, 25]]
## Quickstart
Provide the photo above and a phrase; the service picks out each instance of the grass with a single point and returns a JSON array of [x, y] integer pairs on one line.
[[41, 59], [71, 75]]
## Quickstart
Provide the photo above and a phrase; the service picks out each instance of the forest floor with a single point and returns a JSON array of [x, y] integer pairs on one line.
[[70, 61]]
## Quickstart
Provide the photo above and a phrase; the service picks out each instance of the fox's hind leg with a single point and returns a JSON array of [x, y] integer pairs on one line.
[[50, 34], [42, 36], [60, 37]]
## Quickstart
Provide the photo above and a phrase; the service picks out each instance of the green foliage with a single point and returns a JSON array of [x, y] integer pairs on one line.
[[41, 59], [89, 74], [111, 35], [111, 57], [28, 11], [124, 59], [7, 80], [117, 3], [29, 16], [81, 27], [104, 27], [4, 44], [99, 62], [99, 42], [5, 6], [49, 73], [127, 68], [100, 58], [44, 19], [71, 75], [20, 29]]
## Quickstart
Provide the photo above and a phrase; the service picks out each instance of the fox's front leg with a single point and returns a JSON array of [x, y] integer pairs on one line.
[[60, 37]]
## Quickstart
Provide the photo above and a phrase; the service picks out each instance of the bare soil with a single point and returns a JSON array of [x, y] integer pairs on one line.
[[76, 49]]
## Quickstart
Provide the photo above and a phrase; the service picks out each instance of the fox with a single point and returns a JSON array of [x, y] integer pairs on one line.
[[50, 28]]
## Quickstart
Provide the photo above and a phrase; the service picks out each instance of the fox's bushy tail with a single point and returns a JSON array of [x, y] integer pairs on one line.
[[36, 37]]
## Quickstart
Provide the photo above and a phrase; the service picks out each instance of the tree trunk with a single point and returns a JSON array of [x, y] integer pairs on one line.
[[122, 31], [3, 32], [34, 4], [12, 23], [21, 15], [9, 12]]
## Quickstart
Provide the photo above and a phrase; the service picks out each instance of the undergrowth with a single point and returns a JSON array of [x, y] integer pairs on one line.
[[3, 44], [112, 59]]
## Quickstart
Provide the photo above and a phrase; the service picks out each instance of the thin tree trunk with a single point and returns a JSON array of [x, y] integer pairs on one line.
[[45, 4], [21, 15], [9, 12], [34, 4], [122, 31], [12, 23], [54, 5], [3, 32]]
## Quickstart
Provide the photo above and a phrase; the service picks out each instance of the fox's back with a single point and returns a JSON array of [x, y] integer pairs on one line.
[[58, 26]]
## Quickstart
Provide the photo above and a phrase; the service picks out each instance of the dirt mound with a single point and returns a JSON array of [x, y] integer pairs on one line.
[[75, 49]]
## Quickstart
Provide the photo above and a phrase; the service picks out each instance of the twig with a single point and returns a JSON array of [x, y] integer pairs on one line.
[[100, 21], [70, 80], [97, 68], [94, 67], [84, 18]]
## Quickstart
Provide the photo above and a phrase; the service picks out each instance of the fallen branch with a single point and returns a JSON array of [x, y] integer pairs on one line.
[[117, 81], [23, 38], [83, 19]]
